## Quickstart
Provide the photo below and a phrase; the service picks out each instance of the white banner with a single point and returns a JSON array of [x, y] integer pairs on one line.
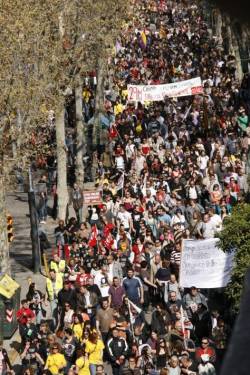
[[153, 93], [204, 265]]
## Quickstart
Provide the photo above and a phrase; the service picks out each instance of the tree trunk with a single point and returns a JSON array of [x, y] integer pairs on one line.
[[239, 72], [229, 35], [16, 141], [99, 100], [4, 245], [62, 188], [218, 27], [234, 48], [80, 136]]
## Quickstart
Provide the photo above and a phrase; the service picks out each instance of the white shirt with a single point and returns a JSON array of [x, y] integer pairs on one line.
[[87, 298], [203, 160], [110, 272], [125, 218], [178, 220], [217, 221], [119, 162], [205, 369], [68, 317], [192, 193], [209, 229], [102, 282], [139, 161], [130, 149]]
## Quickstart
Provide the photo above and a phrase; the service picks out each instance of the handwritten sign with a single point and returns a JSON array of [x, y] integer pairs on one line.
[[204, 265], [92, 197]]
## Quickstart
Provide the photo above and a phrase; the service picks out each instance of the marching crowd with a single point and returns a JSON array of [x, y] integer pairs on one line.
[[171, 170]]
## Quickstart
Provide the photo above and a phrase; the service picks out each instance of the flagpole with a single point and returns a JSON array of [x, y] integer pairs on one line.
[[130, 319], [183, 327], [123, 188]]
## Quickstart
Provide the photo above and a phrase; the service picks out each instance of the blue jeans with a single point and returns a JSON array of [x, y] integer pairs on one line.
[[42, 212], [92, 369]]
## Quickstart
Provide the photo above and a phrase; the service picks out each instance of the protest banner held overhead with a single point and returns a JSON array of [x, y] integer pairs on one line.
[[204, 265], [143, 93], [92, 197]]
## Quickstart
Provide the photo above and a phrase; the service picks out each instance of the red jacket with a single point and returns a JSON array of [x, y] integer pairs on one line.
[[23, 313], [208, 350]]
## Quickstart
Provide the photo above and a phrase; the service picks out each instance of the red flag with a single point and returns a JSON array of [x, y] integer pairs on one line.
[[107, 229], [108, 241], [93, 237]]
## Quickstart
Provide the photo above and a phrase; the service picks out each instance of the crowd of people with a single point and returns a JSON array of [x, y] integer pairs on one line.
[[171, 170]]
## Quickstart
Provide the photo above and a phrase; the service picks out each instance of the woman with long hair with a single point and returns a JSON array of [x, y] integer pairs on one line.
[[77, 326], [145, 361], [82, 364], [94, 348], [162, 353]]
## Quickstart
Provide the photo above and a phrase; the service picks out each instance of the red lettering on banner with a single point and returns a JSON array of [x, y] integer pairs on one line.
[[197, 90], [92, 197]]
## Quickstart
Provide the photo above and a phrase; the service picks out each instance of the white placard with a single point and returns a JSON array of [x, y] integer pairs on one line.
[[153, 93], [204, 265]]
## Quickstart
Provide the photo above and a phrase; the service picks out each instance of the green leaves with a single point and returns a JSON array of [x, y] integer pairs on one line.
[[236, 235]]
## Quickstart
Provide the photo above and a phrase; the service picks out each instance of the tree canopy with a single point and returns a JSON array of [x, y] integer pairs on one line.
[[236, 236]]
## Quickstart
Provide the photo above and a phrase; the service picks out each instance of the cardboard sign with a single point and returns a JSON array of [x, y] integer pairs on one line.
[[205, 265], [92, 197]]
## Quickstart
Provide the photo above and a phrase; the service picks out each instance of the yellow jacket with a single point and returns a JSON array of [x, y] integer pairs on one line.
[[53, 292], [78, 330], [55, 363], [58, 267]]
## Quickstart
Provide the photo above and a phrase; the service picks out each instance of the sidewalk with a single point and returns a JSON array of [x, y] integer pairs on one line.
[[21, 255], [21, 258]]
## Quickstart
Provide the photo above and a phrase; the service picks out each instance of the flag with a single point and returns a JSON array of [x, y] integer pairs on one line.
[[107, 229], [134, 306], [187, 112], [93, 237], [183, 326], [131, 317], [143, 40], [108, 241], [120, 182]]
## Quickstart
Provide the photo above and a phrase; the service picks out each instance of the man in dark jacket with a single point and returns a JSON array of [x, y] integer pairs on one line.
[[117, 349], [160, 320], [28, 331], [87, 300], [66, 295]]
